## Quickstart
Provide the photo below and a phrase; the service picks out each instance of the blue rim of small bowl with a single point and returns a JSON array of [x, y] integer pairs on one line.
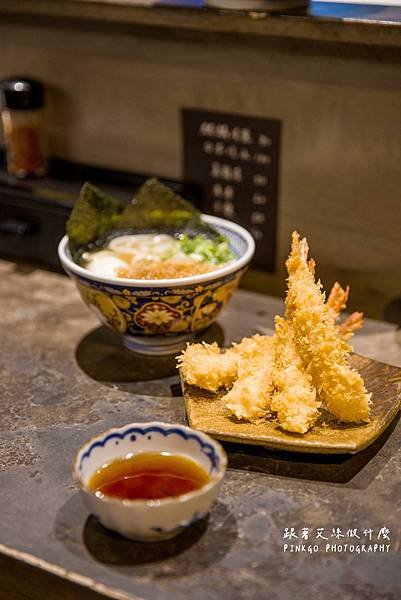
[[232, 267], [200, 436]]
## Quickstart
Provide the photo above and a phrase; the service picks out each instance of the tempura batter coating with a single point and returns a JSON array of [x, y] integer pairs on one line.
[[295, 398], [251, 393], [205, 366], [251, 353], [319, 343]]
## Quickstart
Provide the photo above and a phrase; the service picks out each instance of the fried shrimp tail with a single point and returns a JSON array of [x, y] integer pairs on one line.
[[351, 324], [337, 300]]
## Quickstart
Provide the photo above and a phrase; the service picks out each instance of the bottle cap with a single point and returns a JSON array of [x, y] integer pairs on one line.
[[22, 93]]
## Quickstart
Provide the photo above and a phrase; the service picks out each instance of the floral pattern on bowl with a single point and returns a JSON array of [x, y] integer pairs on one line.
[[160, 311], [159, 316]]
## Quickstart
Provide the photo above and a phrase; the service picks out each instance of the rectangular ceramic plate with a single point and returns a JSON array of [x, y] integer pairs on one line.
[[208, 413]]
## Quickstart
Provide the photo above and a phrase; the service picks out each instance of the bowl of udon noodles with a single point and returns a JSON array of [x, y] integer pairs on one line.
[[159, 285]]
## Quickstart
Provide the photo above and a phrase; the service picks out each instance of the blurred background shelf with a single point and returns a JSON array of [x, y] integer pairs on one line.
[[325, 21]]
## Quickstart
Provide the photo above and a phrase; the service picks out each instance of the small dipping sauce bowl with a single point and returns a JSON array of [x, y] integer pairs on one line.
[[150, 520]]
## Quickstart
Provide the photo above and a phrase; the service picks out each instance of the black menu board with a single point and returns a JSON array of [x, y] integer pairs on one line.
[[235, 161]]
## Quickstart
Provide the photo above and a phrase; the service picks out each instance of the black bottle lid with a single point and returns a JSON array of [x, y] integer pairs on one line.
[[22, 93]]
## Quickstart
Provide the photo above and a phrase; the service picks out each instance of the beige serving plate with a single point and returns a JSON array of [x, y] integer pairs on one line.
[[208, 413]]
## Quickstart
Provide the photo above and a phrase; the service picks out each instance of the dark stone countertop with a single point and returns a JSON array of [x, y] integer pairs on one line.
[[63, 379]]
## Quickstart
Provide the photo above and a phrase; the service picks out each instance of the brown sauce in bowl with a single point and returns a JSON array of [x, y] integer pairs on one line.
[[148, 476]]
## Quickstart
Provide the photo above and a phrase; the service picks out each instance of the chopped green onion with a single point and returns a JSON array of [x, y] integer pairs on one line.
[[201, 248]]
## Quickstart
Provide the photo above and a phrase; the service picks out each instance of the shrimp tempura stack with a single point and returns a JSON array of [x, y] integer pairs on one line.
[[300, 368]]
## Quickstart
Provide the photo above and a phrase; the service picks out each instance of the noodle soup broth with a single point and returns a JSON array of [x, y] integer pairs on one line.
[[158, 256]]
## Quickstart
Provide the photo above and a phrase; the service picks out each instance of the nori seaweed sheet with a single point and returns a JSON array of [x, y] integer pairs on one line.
[[97, 217]]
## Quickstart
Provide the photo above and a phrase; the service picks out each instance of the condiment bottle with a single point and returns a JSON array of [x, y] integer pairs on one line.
[[22, 115]]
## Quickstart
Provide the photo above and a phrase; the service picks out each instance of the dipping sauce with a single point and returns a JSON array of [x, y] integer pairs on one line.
[[148, 476]]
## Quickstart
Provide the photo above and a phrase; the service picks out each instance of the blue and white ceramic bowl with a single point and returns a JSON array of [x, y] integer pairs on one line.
[[160, 316], [150, 520]]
